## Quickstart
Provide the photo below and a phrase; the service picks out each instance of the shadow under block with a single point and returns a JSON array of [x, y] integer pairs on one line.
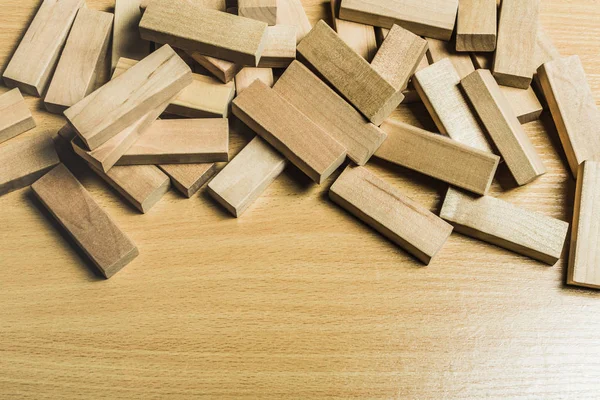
[[573, 108], [247, 176], [25, 160], [31, 66], [280, 47], [15, 117], [360, 37], [317, 101], [191, 27], [299, 139], [350, 74], [247, 75], [189, 178], [224, 70], [126, 98], [476, 25], [500, 223], [384, 208], [438, 156], [503, 127], [430, 18], [260, 10], [291, 12], [515, 49], [126, 39], [81, 59], [86, 222], [438, 50]]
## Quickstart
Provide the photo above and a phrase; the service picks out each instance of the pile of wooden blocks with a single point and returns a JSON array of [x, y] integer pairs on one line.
[[471, 62]]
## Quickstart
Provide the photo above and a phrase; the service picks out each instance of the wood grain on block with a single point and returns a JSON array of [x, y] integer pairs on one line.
[[81, 59], [31, 66], [476, 25], [247, 75], [15, 117], [360, 37], [505, 225], [350, 74], [430, 18], [220, 5], [571, 102], [247, 176], [384, 208], [299, 139], [410, 93], [189, 178], [191, 27], [280, 47], [90, 227], [126, 39], [438, 50], [291, 12], [438, 156], [313, 98], [260, 10], [224, 70], [524, 103]]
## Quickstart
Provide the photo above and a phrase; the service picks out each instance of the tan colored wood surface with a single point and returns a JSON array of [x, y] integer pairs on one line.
[[189, 178], [438, 50], [523, 102], [260, 10], [224, 70], [280, 47], [476, 25], [15, 117], [291, 12], [360, 37], [247, 75], [126, 39]]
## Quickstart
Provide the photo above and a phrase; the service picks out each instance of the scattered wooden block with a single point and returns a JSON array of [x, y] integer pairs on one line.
[[291, 12], [306, 145], [349, 73], [438, 50], [544, 49], [189, 178], [80, 61], [385, 209], [317, 101], [247, 75], [219, 5], [360, 37], [15, 117], [247, 176], [126, 39], [280, 47], [476, 25], [260, 10], [224, 70]]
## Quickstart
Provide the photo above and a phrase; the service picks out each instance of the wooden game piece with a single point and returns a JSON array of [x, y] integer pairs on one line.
[[524, 103], [291, 12], [260, 10], [224, 70], [280, 47], [360, 37], [126, 39], [189, 178], [476, 25], [219, 5], [15, 117], [247, 75], [438, 50]]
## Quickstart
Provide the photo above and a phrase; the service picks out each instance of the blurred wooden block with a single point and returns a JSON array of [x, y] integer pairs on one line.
[[306, 145], [15, 117], [189, 178], [385, 209], [523, 102], [126, 39], [476, 25], [82, 58], [220, 5], [224, 70], [260, 10], [247, 75], [280, 47], [438, 50], [360, 37], [291, 12], [31, 66]]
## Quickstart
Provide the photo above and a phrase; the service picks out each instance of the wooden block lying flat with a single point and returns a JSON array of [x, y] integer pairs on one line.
[[24, 161], [430, 18], [313, 98], [32, 64], [260, 10], [291, 12], [524, 103], [438, 156], [476, 25], [127, 41], [220, 5], [189, 178], [573, 108], [191, 27], [349, 73], [502, 224], [385, 209], [247, 75], [503, 127], [515, 50], [280, 47], [438, 50], [85, 221], [360, 37], [224, 70], [80, 61], [15, 117], [299, 139], [247, 176]]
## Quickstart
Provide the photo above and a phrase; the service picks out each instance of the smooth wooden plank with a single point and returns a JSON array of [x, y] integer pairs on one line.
[[222, 69], [15, 117], [189, 178], [247, 75], [280, 47], [476, 25], [291, 12], [260, 10], [438, 50], [126, 39], [360, 37]]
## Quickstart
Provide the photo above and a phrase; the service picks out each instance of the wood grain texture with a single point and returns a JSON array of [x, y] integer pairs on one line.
[[438, 50], [15, 117], [220, 5], [126, 39], [189, 178], [476, 25], [291, 12], [260, 10], [247, 75], [360, 37], [280, 47], [222, 69]]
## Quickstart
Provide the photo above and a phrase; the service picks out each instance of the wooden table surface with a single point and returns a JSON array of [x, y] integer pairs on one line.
[[296, 299]]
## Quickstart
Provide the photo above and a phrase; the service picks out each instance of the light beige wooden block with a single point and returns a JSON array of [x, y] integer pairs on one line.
[[291, 12], [247, 75], [476, 25], [224, 70], [80, 61], [502, 224], [220, 5], [280, 47], [350, 74], [126, 39], [384, 208], [524, 103], [438, 50], [247, 176], [360, 37], [300, 140], [189, 178], [438, 156], [313, 98], [31, 66], [15, 117], [260, 10]]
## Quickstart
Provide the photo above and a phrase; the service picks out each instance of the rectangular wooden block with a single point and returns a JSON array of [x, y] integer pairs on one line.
[[224, 70], [438, 156], [80, 61], [31, 66], [280, 47], [260, 10], [299, 139], [350, 74], [313, 98], [291, 12], [502, 224], [247, 75], [220, 5], [15, 117], [127, 41], [476, 25], [524, 103], [438, 50], [384, 208], [360, 37], [189, 178], [91, 227]]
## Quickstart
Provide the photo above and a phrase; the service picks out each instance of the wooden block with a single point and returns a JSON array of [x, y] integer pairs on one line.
[[189, 178], [125, 99], [360, 37], [313, 98], [191, 27], [31, 66], [220, 5], [350, 74], [430, 18], [502, 224], [523, 102], [247, 75], [260, 10], [24, 161], [476, 25], [438, 50], [544, 49], [280, 48], [438, 156], [482, 60], [503, 126], [299, 139], [515, 49], [438, 87], [291, 12], [247, 176], [571, 102], [224, 70], [388, 211], [82, 58], [85, 221], [127, 41], [15, 117]]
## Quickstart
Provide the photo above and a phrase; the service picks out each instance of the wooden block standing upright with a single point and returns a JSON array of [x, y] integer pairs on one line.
[[280, 47], [385, 209], [260, 10], [15, 117], [224, 70], [80, 61], [189, 178], [247, 75], [126, 39], [476, 25], [438, 50], [85, 221], [291, 12], [360, 37]]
